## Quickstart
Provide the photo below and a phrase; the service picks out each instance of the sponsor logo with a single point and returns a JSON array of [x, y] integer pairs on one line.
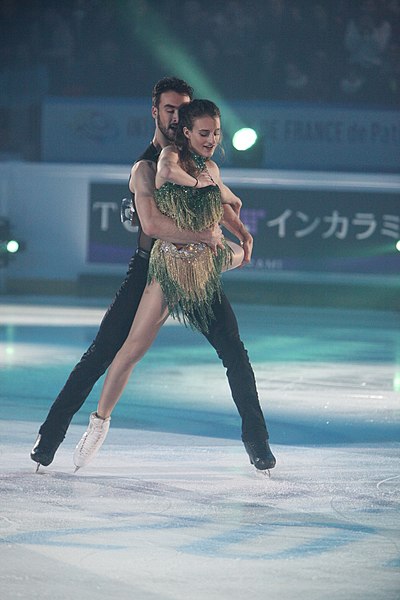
[[95, 126]]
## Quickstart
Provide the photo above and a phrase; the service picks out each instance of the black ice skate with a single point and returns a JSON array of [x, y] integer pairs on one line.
[[44, 450], [260, 455]]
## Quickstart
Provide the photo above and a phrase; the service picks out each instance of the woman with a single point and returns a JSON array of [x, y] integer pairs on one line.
[[183, 279], [187, 190]]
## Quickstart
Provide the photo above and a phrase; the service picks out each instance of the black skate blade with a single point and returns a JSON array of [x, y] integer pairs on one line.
[[37, 468]]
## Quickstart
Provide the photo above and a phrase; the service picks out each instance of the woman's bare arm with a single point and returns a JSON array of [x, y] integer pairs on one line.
[[227, 196], [233, 224], [169, 169], [153, 222]]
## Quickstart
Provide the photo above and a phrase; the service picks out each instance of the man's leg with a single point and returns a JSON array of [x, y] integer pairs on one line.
[[224, 336], [112, 333]]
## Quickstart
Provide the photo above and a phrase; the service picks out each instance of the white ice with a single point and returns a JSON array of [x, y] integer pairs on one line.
[[170, 508]]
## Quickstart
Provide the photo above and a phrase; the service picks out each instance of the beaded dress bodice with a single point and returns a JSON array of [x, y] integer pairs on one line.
[[189, 274]]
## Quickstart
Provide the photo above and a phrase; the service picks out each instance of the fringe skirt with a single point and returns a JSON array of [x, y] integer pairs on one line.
[[189, 277]]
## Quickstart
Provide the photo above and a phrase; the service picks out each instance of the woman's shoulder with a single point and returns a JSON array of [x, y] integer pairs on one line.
[[213, 168]]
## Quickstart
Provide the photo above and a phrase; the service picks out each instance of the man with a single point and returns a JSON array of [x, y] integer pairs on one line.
[[168, 95]]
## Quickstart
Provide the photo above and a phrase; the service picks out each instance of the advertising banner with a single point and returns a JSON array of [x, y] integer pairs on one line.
[[92, 130], [290, 136], [293, 230], [325, 231], [109, 241]]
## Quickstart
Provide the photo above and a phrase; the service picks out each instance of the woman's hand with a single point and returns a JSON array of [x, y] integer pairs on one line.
[[204, 179]]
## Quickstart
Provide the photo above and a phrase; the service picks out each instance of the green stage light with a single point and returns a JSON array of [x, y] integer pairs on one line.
[[12, 246], [155, 36], [244, 139], [8, 245], [398, 246], [396, 382]]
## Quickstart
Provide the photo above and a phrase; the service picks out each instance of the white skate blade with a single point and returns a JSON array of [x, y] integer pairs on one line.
[[264, 473]]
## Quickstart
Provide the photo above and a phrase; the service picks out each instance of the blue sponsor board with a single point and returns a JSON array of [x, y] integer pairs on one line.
[[291, 135], [319, 230], [109, 240], [293, 230]]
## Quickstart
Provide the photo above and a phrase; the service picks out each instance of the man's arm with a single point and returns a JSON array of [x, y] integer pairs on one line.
[[233, 224], [153, 222]]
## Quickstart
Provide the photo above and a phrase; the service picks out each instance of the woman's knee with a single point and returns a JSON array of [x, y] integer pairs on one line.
[[130, 355], [237, 256]]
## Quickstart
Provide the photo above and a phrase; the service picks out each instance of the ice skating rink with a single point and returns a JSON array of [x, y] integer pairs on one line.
[[171, 509]]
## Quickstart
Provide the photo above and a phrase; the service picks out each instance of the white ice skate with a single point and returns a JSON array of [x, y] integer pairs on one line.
[[91, 441]]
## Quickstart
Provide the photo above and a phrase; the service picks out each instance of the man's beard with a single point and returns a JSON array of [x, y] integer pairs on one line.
[[167, 132]]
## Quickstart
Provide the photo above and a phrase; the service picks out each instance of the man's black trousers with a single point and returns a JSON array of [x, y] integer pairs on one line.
[[223, 335]]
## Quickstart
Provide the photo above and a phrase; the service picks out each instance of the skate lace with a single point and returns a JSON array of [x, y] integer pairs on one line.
[[93, 436]]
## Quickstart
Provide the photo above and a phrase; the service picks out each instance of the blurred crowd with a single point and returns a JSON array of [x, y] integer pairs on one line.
[[341, 51]]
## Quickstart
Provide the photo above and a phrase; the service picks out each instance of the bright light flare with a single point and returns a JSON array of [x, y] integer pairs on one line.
[[244, 139], [12, 246]]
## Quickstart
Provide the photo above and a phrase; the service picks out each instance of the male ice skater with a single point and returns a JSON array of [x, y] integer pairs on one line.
[[168, 95]]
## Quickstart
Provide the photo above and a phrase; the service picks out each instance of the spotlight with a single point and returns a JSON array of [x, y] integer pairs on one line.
[[12, 246], [398, 246], [8, 245], [247, 148], [244, 139]]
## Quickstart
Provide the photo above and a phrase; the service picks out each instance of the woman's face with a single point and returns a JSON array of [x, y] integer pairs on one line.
[[205, 135]]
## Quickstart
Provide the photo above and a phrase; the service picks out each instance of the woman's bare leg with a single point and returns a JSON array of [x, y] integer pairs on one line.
[[237, 256], [150, 316]]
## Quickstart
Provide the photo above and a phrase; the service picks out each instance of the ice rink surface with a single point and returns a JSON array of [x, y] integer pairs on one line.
[[171, 509]]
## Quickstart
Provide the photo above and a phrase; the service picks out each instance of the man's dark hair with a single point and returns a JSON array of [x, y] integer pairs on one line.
[[170, 84]]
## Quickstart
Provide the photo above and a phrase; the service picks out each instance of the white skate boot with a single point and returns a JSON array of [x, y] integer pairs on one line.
[[91, 441]]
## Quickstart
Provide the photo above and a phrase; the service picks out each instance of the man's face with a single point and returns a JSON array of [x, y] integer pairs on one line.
[[166, 114]]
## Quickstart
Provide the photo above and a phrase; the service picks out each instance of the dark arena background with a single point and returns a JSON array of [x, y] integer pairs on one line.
[[171, 509]]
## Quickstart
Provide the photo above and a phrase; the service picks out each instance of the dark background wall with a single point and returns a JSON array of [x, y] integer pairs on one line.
[[320, 51]]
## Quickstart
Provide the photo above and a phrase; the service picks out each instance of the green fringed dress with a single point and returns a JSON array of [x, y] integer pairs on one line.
[[189, 275]]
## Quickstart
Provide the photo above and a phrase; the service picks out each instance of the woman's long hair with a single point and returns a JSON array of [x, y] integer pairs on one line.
[[187, 115]]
